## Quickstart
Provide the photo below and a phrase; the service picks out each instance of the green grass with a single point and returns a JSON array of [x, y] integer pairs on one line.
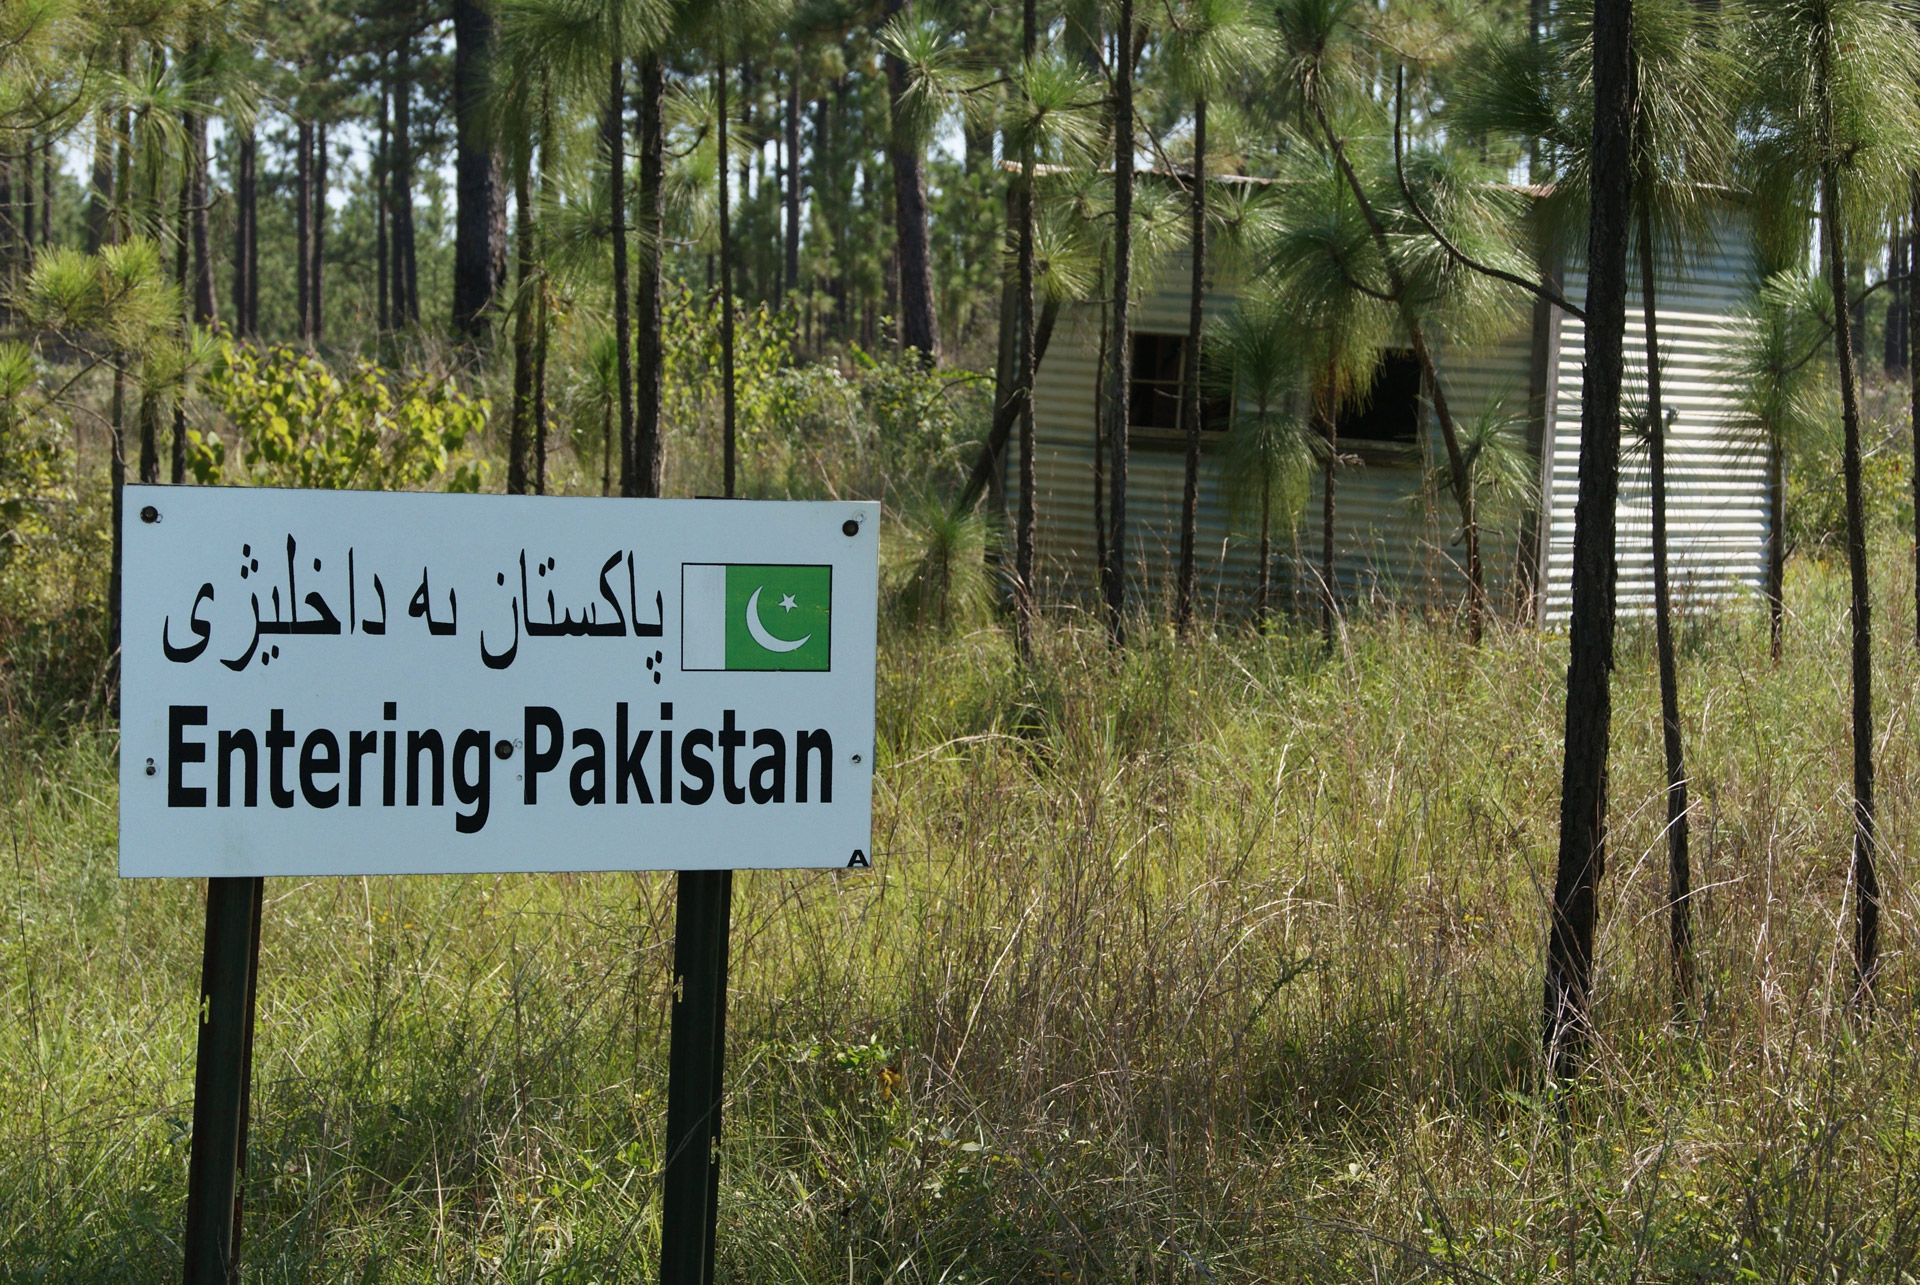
[[1215, 962]]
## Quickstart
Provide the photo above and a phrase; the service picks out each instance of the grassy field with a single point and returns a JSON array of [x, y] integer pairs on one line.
[[1215, 962]]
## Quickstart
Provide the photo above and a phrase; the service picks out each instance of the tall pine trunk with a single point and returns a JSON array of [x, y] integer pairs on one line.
[[614, 130], [1913, 376], [1329, 414], [728, 409], [480, 245], [316, 292], [518, 432], [1866, 880], [907, 161], [245, 217], [1581, 861], [1114, 569], [303, 228], [382, 233], [642, 474], [543, 310], [1679, 863], [1023, 586], [406, 292], [791, 196], [205, 310], [100, 191], [1190, 377], [182, 268]]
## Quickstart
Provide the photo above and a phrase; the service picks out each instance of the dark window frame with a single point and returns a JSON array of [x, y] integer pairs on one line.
[[1156, 395]]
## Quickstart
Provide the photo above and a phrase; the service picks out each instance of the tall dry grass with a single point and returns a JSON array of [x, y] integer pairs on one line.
[[1216, 961]]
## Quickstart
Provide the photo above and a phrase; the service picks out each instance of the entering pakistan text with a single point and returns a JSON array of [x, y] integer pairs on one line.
[[322, 760]]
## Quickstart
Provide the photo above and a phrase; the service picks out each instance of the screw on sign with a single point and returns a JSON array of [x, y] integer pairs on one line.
[[321, 683]]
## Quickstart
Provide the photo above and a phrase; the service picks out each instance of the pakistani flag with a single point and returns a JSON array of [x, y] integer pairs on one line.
[[751, 617]]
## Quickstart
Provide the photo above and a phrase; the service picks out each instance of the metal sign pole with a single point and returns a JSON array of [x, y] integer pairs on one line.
[[696, 1073], [222, 1070]]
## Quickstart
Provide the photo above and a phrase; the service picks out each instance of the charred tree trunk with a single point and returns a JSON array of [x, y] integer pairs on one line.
[[907, 160], [406, 293], [791, 196], [614, 132], [245, 216], [1190, 409], [1023, 585], [182, 268], [1913, 375], [518, 432], [642, 474], [205, 310], [316, 292], [1329, 586], [480, 241], [303, 228], [382, 233], [726, 279], [100, 191], [1679, 862], [1866, 881], [1114, 571], [1581, 860]]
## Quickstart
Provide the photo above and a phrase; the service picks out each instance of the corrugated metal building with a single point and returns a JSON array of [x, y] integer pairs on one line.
[[1397, 538]]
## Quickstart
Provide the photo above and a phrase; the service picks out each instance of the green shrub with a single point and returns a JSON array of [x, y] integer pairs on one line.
[[296, 422]]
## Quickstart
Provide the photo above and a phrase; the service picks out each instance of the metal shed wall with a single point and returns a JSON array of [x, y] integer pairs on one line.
[[1395, 539], [1717, 507]]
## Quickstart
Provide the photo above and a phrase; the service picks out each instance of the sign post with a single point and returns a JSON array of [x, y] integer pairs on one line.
[[696, 1062], [356, 683]]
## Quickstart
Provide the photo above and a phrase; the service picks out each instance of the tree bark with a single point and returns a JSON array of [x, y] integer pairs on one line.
[[1777, 540], [205, 310], [1913, 376], [100, 193], [1679, 863], [615, 137], [1329, 414], [1866, 881], [1023, 583], [480, 238], [1568, 997], [792, 194], [517, 440], [907, 160], [728, 409], [182, 267], [245, 211], [406, 293], [543, 314], [1114, 570], [642, 474], [1196, 298], [382, 233], [316, 293], [303, 228]]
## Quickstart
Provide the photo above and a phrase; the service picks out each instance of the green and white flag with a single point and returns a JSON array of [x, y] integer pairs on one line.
[[755, 617]]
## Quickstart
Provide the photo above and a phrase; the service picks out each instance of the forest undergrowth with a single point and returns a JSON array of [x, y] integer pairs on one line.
[[1216, 960]]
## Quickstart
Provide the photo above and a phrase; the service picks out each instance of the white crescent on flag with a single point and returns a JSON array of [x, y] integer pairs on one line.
[[759, 631]]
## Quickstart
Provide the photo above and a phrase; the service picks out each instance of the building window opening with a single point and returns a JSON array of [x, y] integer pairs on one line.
[[1390, 411], [1156, 392]]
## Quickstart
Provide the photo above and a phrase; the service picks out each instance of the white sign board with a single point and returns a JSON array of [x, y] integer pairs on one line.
[[342, 682]]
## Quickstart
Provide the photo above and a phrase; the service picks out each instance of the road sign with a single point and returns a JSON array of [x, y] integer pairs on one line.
[[329, 682]]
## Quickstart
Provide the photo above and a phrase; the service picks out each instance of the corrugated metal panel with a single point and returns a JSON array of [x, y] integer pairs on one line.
[[1717, 508], [1394, 538]]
